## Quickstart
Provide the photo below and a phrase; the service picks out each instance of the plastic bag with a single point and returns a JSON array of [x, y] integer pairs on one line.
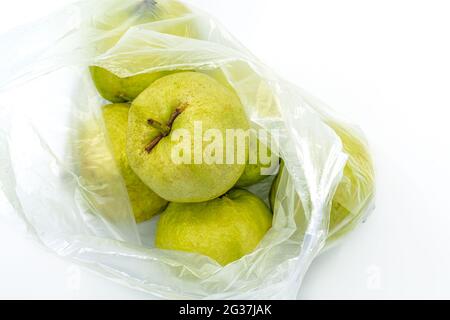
[[46, 94]]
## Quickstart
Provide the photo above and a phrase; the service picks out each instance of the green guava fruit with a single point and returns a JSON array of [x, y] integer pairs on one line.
[[254, 170], [96, 169], [252, 175], [139, 12], [224, 229], [114, 23], [354, 192], [113, 26], [169, 124], [119, 90]]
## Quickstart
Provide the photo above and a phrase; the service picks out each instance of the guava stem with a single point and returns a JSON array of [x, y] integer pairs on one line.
[[175, 114], [164, 129], [154, 143]]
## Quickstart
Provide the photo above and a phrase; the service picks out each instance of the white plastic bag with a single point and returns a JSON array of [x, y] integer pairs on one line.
[[46, 93]]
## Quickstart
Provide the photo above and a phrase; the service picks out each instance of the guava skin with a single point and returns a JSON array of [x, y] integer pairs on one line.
[[144, 202], [253, 173], [224, 229], [113, 26], [201, 99], [120, 90], [353, 193]]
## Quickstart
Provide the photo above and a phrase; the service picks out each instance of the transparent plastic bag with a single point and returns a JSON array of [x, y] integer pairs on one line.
[[47, 95]]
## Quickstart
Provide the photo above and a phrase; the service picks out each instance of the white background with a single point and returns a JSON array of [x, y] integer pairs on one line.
[[383, 64]]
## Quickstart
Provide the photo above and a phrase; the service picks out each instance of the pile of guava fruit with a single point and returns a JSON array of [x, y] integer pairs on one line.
[[204, 207]]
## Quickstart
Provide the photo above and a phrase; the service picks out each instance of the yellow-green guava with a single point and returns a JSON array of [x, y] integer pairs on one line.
[[119, 90], [113, 26], [96, 169], [165, 123], [254, 172], [224, 229], [354, 192]]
